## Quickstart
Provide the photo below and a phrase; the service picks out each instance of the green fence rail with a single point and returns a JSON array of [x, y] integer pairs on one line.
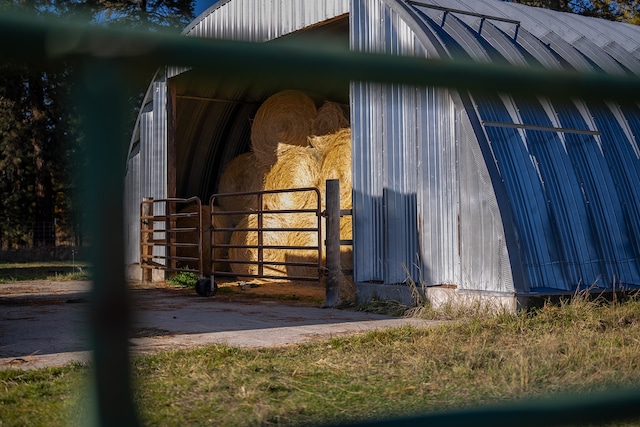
[[111, 59]]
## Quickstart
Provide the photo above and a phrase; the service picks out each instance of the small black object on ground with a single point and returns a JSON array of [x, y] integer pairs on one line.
[[205, 287]]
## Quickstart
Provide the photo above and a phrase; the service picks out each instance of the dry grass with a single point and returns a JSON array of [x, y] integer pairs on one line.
[[575, 347], [477, 360]]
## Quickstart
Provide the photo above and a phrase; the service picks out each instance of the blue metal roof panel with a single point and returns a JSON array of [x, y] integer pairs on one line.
[[558, 185]]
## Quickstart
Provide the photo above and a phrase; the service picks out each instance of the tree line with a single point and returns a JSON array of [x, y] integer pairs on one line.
[[41, 144]]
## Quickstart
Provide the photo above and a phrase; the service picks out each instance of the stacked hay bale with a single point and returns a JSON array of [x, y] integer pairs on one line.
[[241, 175], [243, 259], [335, 162], [294, 145], [329, 119], [285, 119], [296, 167]]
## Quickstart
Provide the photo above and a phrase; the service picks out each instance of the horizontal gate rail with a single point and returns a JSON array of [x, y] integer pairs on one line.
[[170, 235], [260, 264]]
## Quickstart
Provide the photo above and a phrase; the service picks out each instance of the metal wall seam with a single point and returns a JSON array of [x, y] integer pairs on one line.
[[132, 197]]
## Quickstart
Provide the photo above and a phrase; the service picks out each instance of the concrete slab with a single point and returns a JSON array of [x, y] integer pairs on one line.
[[45, 324]]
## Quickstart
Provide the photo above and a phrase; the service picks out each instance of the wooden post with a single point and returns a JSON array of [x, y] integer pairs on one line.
[[332, 298], [146, 229]]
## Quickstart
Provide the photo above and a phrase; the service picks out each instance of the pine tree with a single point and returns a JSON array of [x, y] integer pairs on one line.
[[40, 141]]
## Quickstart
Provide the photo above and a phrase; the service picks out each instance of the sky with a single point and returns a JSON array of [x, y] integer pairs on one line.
[[202, 5]]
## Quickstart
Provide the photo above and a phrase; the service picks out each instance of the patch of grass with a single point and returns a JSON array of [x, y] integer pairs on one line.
[[52, 271], [183, 279], [575, 347], [44, 397]]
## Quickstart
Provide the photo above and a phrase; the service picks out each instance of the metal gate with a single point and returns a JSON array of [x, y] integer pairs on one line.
[[270, 244], [171, 235], [282, 244]]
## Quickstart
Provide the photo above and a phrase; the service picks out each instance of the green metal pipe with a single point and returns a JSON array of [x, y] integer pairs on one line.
[[295, 61]]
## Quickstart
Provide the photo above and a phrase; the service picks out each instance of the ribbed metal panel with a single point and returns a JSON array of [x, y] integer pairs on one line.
[[132, 197], [438, 185], [406, 199], [380, 209], [261, 21], [485, 258], [253, 20], [153, 152], [153, 145], [570, 189]]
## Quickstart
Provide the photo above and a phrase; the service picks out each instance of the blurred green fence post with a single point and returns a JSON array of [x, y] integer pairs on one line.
[[103, 102]]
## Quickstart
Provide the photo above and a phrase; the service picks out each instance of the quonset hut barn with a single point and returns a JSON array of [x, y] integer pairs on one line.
[[479, 196]]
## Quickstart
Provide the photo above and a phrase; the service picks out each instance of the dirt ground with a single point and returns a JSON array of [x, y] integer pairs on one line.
[[45, 323]]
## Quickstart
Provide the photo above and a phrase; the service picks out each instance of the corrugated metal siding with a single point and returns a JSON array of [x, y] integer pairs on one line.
[[405, 177], [574, 208], [571, 29], [153, 153], [438, 185], [485, 259], [153, 145], [132, 197], [261, 21]]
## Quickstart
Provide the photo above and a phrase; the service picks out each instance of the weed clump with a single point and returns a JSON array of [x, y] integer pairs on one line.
[[184, 279]]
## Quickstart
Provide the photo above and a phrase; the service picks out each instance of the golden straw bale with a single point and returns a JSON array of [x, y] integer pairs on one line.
[[192, 237], [297, 167], [250, 238], [302, 239], [284, 118], [305, 238], [241, 174], [336, 164], [329, 119], [220, 235]]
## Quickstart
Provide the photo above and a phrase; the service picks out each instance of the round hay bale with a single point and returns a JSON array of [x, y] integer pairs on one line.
[[329, 119], [336, 164], [247, 235], [303, 239], [297, 167], [241, 174], [220, 235], [284, 118], [310, 239]]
